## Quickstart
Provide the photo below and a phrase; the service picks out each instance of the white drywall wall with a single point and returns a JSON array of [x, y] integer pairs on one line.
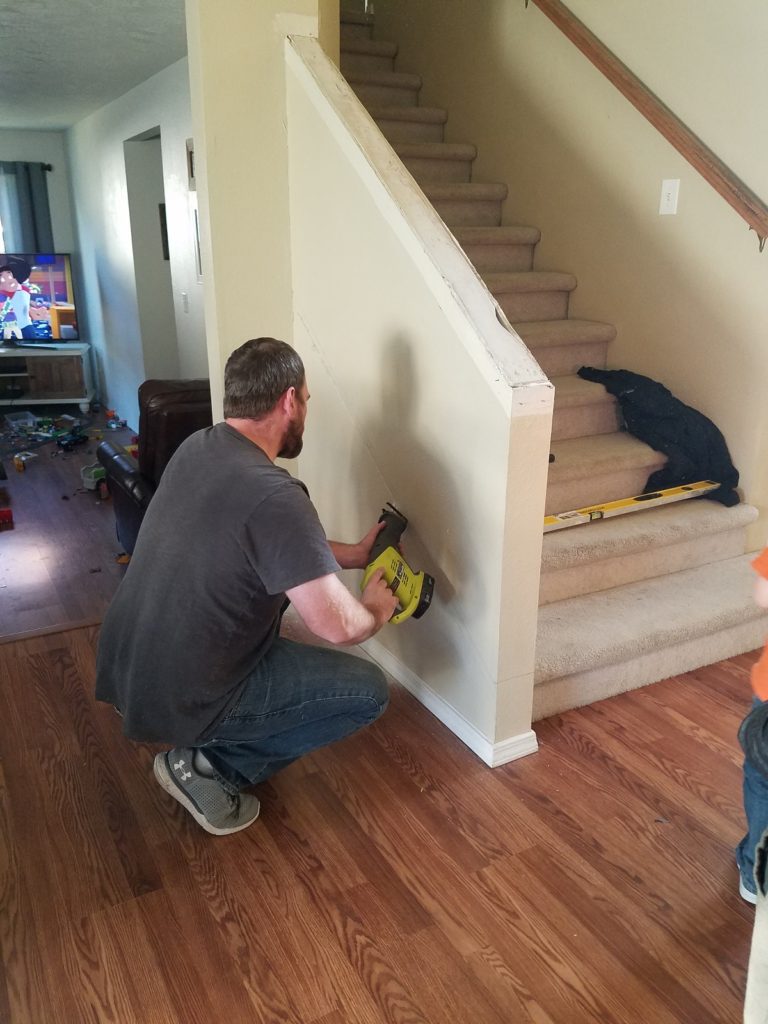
[[101, 211], [409, 405]]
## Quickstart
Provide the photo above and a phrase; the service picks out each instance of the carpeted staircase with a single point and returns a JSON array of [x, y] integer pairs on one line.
[[627, 601]]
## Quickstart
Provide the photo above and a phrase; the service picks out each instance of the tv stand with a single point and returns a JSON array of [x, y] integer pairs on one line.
[[49, 375]]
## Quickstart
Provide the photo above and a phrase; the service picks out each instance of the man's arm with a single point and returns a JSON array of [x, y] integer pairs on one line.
[[355, 556], [333, 614]]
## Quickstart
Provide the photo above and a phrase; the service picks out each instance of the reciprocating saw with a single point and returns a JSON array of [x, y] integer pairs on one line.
[[413, 590]]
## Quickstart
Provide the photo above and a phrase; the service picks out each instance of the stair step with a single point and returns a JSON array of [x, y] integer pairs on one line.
[[355, 25], [563, 346], [532, 295], [499, 249], [641, 545], [350, 16], [386, 88], [366, 56], [410, 124], [580, 411], [463, 203], [370, 47], [437, 161], [597, 645], [592, 470]]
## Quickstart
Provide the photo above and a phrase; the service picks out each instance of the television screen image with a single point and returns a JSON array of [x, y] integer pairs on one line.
[[37, 302]]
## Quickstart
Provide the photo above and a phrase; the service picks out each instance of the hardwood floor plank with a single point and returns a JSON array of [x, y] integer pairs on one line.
[[311, 967], [660, 769], [52, 793], [187, 959], [390, 878], [404, 911], [129, 960], [61, 533], [127, 839], [501, 981], [342, 926], [477, 925], [652, 830], [29, 683], [98, 991], [431, 786], [231, 921], [21, 981], [602, 930], [565, 975], [428, 964]]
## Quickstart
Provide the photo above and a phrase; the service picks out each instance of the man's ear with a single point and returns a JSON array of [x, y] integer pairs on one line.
[[287, 401]]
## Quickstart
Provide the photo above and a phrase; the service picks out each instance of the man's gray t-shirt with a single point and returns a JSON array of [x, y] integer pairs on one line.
[[225, 535]]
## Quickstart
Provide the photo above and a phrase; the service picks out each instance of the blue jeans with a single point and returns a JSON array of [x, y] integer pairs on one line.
[[756, 811], [298, 698]]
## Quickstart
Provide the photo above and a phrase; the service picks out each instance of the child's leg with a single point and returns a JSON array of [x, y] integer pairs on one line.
[[756, 811]]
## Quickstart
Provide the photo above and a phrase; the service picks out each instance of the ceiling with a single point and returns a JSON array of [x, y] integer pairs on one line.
[[62, 59]]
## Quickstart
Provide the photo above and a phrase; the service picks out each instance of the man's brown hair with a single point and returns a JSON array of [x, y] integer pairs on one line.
[[256, 374]]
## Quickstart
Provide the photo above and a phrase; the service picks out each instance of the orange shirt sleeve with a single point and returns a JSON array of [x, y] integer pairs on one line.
[[760, 564], [759, 676], [760, 668]]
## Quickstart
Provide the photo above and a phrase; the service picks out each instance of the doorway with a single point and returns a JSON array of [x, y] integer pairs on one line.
[[151, 256]]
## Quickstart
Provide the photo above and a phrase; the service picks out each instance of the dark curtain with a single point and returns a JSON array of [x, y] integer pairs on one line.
[[29, 213]]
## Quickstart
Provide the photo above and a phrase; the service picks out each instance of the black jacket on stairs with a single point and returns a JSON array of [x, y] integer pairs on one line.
[[695, 448]]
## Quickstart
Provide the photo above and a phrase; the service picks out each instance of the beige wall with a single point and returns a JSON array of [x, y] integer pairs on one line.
[[687, 293], [408, 405], [237, 80]]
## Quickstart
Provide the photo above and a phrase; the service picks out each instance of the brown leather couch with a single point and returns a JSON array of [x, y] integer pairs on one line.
[[169, 411]]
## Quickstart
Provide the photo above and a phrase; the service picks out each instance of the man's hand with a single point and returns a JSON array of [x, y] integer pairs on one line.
[[356, 556], [378, 598], [332, 613]]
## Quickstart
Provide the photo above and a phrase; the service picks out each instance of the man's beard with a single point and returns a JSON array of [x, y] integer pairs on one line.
[[293, 441]]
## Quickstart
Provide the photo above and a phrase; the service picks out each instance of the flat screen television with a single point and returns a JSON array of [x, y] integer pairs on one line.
[[37, 301]]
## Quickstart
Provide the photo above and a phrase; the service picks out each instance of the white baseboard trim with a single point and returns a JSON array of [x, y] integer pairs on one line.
[[493, 754]]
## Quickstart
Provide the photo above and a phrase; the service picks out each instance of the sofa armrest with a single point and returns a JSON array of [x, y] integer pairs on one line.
[[123, 470], [130, 490]]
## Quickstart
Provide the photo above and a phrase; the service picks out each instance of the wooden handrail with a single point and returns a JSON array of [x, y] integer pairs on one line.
[[711, 167]]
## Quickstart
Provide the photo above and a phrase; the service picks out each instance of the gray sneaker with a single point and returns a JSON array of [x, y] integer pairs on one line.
[[212, 807], [746, 894]]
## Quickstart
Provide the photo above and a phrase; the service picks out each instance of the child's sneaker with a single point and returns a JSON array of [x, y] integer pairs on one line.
[[212, 807], [744, 893]]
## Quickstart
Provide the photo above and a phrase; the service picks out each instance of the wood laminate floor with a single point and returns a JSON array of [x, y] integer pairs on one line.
[[57, 564], [390, 878]]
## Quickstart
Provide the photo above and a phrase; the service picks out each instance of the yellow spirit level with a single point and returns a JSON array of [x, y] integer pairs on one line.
[[617, 508]]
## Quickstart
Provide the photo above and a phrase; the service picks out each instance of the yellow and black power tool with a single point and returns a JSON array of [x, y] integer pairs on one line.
[[413, 590]]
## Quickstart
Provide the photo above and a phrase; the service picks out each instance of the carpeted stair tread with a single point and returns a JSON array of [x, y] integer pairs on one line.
[[421, 115], [570, 392], [355, 18], [553, 333], [464, 190], [640, 531], [392, 79], [369, 47], [613, 626], [511, 235], [585, 457], [528, 281], [435, 150]]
